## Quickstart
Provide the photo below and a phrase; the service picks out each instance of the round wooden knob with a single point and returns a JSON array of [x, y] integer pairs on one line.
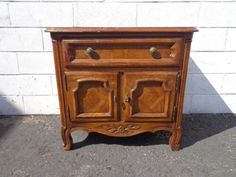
[[154, 52], [92, 53]]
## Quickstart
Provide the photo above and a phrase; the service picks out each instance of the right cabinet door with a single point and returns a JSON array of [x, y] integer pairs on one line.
[[149, 95]]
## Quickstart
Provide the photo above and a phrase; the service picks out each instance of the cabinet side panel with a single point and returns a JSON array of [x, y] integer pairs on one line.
[[180, 100], [59, 77], [177, 130]]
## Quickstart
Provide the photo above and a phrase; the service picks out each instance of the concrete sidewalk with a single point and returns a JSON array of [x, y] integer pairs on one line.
[[32, 146]]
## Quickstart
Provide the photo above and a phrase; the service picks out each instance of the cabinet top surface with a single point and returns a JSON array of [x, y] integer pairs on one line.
[[121, 29]]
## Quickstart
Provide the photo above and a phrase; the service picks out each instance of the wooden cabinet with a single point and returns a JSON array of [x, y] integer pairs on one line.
[[121, 81]]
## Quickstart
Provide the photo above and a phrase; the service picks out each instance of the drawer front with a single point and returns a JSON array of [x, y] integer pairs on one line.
[[123, 52]]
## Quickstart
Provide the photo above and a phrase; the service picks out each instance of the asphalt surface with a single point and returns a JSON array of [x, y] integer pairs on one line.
[[32, 146]]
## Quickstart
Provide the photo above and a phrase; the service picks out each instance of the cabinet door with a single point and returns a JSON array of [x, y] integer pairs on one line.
[[148, 96], [92, 96]]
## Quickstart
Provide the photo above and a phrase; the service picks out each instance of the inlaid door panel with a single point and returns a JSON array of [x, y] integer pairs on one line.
[[92, 96], [148, 96]]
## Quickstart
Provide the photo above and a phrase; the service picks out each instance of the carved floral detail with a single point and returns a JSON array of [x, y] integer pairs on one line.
[[120, 128]]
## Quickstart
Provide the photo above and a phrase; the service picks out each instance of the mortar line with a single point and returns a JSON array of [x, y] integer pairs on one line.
[[42, 39], [17, 62], [226, 37]]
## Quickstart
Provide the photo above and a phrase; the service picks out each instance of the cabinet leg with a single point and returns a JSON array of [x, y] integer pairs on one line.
[[175, 138], [67, 138]]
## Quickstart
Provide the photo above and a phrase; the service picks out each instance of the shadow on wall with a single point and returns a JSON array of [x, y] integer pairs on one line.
[[202, 92], [8, 112]]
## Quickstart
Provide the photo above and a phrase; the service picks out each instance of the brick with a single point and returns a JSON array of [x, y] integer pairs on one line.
[[229, 105], [229, 83], [212, 62], [209, 39], [4, 15], [36, 85], [36, 63], [47, 42], [204, 84], [105, 14], [208, 104], [41, 14], [8, 63], [167, 14], [41, 104], [11, 105], [230, 41], [20, 39], [218, 14], [187, 104], [25, 85], [10, 85], [192, 66]]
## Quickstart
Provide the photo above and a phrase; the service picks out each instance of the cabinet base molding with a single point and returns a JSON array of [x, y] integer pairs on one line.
[[122, 130]]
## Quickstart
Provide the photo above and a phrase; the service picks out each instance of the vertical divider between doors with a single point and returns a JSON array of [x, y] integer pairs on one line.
[[120, 93]]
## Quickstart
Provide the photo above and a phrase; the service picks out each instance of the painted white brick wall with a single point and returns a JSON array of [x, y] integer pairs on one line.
[[41, 14], [4, 17], [25, 85], [209, 39], [27, 76], [20, 39], [167, 14], [8, 63], [105, 14], [35, 63]]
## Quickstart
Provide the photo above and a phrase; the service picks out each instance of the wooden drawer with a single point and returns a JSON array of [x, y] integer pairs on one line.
[[122, 52]]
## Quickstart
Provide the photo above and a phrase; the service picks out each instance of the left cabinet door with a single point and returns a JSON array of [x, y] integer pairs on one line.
[[92, 96]]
